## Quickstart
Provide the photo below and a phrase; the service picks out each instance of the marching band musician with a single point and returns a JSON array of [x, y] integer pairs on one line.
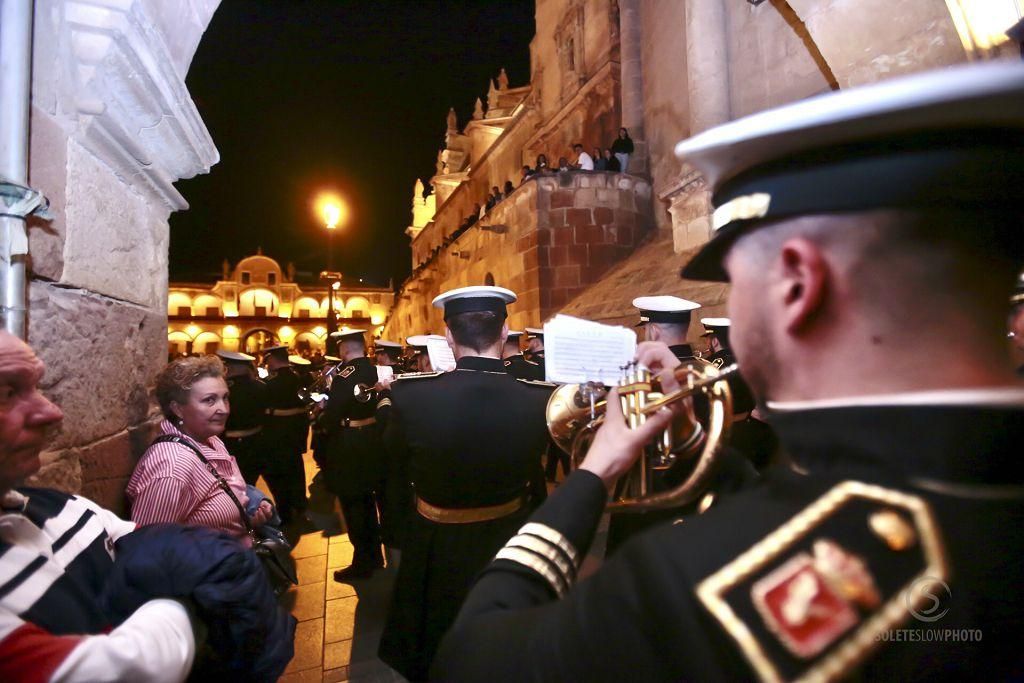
[[666, 319], [248, 412], [535, 347], [470, 442], [515, 362], [419, 360], [284, 436], [388, 353], [856, 228], [355, 463]]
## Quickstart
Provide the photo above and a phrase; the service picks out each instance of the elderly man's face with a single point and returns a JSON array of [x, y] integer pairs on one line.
[[25, 414]]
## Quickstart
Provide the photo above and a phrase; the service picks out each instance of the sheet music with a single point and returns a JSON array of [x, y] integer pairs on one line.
[[385, 372], [441, 357], [577, 350]]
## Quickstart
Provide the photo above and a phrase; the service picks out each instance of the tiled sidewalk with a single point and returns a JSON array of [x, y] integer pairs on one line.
[[339, 624]]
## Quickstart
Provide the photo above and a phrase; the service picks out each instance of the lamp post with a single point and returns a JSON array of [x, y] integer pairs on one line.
[[332, 210]]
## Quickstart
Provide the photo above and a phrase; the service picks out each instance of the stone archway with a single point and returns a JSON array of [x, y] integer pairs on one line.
[[257, 339]]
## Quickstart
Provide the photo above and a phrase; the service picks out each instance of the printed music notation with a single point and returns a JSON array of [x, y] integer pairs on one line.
[[578, 351], [441, 357]]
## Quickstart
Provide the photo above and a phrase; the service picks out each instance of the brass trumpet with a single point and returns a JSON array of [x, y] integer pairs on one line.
[[575, 412]]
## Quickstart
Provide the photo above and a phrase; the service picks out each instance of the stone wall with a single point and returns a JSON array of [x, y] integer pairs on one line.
[[112, 127], [554, 237]]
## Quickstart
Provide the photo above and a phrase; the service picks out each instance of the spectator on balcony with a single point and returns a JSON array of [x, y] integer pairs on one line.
[[563, 164], [600, 163], [508, 189], [527, 172], [622, 148], [584, 161], [611, 162], [542, 164], [493, 198]]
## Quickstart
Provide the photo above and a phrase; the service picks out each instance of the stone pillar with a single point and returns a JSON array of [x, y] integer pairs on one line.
[[113, 126], [631, 74], [707, 70], [707, 65]]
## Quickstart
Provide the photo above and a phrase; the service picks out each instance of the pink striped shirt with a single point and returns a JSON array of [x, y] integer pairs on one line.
[[171, 484]]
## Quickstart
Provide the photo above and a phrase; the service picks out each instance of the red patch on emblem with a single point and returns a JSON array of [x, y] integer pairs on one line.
[[801, 608]]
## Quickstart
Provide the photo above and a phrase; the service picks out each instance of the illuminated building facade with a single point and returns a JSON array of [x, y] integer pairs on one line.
[[257, 304]]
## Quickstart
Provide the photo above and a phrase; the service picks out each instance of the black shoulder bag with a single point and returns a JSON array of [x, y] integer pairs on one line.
[[274, 554]]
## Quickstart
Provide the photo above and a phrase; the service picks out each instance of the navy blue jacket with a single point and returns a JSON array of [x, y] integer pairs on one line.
[[251, 636]]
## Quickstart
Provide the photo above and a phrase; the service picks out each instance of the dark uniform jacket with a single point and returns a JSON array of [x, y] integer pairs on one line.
[[248, 404], [287, 422], [469, 438], [899, 525], [355, 463], [520, 368]]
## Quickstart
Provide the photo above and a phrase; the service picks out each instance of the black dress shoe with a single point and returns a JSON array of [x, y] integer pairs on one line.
[[353, 572]]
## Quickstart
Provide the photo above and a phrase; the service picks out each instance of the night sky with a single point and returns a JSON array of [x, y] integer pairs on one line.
[[302, 95]]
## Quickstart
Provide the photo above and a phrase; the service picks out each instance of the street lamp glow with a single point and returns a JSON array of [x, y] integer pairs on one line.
[[331, 209]]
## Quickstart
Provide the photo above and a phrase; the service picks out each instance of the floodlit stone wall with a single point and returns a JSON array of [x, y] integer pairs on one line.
[[113, 126], [549, 241]]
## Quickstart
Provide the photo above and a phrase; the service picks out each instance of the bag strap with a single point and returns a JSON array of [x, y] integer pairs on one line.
[[173, 438]]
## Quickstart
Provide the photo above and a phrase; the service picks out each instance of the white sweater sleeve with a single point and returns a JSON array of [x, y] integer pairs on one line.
[[156, 643]]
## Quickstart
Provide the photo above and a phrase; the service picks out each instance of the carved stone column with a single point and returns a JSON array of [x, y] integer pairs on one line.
[[631, 74]]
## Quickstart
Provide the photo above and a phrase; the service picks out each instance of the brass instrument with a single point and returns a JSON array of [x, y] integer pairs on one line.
[[320, 383], [575, 412], [364, 393]]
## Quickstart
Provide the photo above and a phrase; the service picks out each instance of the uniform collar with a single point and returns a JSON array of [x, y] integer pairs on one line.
[[970, 437], [480, 363]]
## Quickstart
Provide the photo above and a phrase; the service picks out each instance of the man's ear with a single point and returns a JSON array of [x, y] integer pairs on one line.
[[804, 283], [448, 336], [504, 332]]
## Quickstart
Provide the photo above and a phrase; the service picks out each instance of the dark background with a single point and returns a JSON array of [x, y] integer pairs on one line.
[[304, 95]]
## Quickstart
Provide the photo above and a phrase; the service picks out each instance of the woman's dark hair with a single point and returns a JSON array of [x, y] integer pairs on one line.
[[623, 130], [476, 330], [175, 381]]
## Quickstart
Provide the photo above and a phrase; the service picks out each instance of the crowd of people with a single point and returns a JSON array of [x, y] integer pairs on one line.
[[613, 159], [867, 485]]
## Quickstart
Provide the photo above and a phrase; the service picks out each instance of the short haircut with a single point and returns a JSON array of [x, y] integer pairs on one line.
[[577, 145], [476, 330], [175, 381], [907, 264]]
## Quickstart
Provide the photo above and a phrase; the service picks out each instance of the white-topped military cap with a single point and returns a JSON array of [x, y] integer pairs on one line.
[[665, 308], [385, 344], [279, 349], [515, 334], [418, 341], [333, 359], [235, 356], [474, 298], [717, 326], [347, 332], [946, 139], [298, 360], [534, 332]]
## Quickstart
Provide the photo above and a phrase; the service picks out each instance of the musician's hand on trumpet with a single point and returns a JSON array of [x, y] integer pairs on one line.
[[659, 359], [616, 447]]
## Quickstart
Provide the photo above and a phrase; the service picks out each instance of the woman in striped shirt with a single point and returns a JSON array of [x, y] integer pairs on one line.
[[170, 482]]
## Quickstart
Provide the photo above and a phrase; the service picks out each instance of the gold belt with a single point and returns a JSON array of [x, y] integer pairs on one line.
[[365, 422], [466, 515], [286, 412], [242, 433]]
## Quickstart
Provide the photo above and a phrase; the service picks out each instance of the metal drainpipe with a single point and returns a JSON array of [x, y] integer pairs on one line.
[[15, 91]]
